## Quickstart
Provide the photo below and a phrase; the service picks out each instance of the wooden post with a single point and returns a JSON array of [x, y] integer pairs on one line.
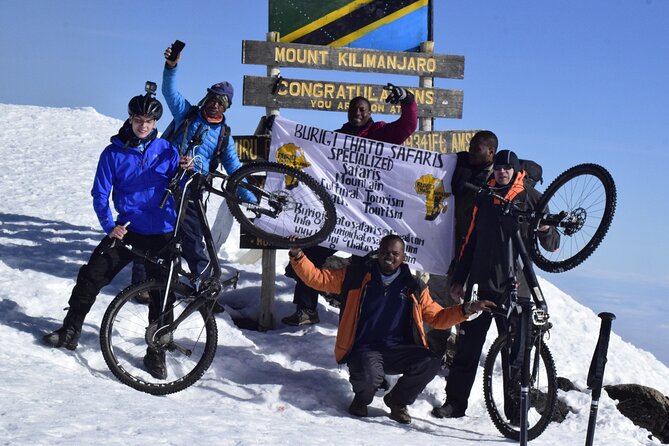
[[426, 82], [425, 124], [267, 287]]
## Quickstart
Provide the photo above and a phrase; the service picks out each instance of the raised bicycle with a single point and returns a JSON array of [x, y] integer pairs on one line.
[[519, 375], [179, 321]]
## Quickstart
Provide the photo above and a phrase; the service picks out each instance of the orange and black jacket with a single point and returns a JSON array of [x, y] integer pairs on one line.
[[351, 284], [483, 257]]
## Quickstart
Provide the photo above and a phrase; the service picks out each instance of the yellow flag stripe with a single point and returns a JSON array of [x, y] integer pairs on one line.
[[326, 19], [384, 21]]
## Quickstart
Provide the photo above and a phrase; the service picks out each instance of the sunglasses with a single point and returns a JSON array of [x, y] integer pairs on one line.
[[221, 100], [503, 167]]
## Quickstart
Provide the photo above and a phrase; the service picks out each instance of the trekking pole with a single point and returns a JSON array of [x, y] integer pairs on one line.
[[596, 372]]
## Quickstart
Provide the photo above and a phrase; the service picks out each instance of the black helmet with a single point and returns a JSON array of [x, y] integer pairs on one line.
[[145, 105]]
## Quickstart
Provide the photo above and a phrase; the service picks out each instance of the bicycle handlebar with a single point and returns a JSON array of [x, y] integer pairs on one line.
[[173, 185], [562, 219]]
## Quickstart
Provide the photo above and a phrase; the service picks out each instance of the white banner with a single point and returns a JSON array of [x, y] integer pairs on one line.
[[378, 188]]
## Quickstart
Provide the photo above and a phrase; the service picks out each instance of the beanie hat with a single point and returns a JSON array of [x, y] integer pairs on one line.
[[507, 158], [222, 89]]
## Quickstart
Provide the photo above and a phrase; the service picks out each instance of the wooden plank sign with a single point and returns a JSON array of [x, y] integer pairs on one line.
[[352, 59], [443, 141], [335, 96], [252, 147]]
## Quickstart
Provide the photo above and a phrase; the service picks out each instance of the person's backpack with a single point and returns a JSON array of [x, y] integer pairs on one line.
[[171, 134], [533, 172]]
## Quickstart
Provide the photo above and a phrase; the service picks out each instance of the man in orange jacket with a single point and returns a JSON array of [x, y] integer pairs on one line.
[[381, 324]]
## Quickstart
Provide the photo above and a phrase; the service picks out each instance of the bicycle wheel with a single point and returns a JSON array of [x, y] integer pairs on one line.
[[503, 403], [290, 203], [587, 194], [188, 351]]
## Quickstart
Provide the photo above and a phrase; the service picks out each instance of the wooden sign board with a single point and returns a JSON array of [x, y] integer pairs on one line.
[[352, 59], [335, 96], [249, 241], [443, 141], [252, 147]]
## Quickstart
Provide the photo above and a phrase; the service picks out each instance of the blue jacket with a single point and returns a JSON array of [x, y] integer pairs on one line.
[[179, 107], [136, 182]]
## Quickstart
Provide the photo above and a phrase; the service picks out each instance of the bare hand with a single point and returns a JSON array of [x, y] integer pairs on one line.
[[186, 162], [483, 305], [171, 63], [293, 252], [457, 292], [118, 232]]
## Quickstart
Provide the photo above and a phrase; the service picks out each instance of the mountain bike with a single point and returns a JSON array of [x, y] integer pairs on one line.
[[179, 321], [519, 375]]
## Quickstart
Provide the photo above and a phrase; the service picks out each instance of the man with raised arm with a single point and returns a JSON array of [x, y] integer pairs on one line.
[[360, 123], [381, 330], [217, 147]]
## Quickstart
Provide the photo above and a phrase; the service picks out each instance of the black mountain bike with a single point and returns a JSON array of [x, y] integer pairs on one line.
[[519, 376], [179, 321]]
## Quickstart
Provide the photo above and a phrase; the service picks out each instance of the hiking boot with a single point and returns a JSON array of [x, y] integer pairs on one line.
[[448, 410], [155, 363], [302, 317], [357, 409], [398, 412], [143, 298], [67, 337]]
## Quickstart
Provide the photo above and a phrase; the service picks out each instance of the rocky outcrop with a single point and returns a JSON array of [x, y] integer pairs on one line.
[[646, 407]]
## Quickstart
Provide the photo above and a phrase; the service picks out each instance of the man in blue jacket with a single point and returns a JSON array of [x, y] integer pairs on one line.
[[217, 147], [134, 170]]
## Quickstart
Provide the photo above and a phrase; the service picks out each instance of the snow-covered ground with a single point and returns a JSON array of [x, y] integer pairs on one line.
[[276, 387]]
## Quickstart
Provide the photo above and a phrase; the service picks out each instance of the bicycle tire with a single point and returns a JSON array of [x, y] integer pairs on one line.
[[306, 197], [588, 192], [123, 340], [543, 392]]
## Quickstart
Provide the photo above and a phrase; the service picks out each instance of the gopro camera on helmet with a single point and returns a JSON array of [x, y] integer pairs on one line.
[[150, 87]]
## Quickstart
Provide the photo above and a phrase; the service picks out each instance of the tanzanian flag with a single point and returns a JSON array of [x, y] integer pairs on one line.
[[392, 25]]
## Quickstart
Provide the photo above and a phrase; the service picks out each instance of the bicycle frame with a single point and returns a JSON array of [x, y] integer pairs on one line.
[[531, 315], [204, 290]]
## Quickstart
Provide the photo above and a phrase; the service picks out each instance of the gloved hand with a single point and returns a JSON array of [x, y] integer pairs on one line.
[[396, 94]]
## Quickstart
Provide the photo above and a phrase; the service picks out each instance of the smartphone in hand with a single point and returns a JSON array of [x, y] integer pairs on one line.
[[176, 47]]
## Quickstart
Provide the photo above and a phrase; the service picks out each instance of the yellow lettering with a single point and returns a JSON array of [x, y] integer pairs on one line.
[[378, 108], [341, 59], [420, 63], [279, 54], [431, 65], [329, 91]]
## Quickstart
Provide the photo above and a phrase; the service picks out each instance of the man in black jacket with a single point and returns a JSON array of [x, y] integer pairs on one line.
[[475, 167], [483, 260]]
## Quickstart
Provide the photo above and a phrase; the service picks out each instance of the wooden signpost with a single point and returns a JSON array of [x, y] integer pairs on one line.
[[274, 92]]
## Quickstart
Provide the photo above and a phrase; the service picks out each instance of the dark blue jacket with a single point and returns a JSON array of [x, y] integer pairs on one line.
[[136, 181]]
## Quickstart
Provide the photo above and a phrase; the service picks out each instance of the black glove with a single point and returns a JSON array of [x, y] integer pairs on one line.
[[396, 94]]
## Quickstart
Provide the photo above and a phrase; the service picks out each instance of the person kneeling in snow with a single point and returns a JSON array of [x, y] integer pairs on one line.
[[383, 333]]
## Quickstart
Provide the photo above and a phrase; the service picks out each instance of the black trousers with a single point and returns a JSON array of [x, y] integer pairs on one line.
[[367, 369], [192, 240], [462, 373], [104, 264]]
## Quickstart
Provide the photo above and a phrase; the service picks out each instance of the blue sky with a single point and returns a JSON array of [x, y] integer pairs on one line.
[[559, 82]]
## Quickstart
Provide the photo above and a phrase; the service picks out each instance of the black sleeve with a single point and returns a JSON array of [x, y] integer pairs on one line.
[[549, 240]]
